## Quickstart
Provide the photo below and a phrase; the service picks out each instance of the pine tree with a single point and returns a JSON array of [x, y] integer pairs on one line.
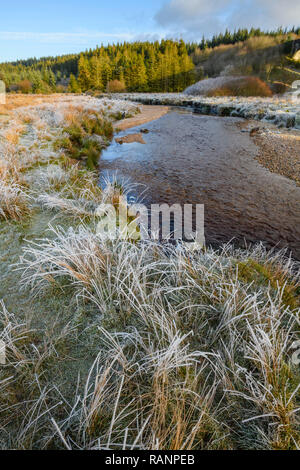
[[187, 72], [96, 73], [152, 71], [106, 71], [73, 85], [141, 74], [84, 76], [37, 82], [51, 80]]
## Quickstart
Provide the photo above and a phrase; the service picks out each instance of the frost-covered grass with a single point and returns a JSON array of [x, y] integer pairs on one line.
[[49, 176], [29, 160], [29, 131], [283, 111], [192, 350], [13, 201], [61, 111]]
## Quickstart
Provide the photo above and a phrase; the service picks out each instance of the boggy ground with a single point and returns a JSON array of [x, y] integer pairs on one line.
[[118, 345]]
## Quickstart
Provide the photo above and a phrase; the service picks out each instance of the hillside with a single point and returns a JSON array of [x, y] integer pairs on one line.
[[272, 58], [166, 66]]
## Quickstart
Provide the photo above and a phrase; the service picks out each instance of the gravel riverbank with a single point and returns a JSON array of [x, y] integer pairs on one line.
[[280, 152], [147, 114]]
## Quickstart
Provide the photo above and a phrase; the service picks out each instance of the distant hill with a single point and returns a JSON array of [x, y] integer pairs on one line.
[[274, 59]]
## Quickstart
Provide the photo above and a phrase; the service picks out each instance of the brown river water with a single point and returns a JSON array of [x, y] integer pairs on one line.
[[194, 159]]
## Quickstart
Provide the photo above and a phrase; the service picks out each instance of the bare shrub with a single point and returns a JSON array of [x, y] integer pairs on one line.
[[230, 86], [116, 86], [245, 86], [25, 86], [205, 86]]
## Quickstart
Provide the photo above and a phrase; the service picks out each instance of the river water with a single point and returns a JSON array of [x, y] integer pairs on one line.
[[194, 159]]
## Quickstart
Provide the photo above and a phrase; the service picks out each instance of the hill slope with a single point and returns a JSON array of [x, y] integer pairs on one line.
[[166, 66]]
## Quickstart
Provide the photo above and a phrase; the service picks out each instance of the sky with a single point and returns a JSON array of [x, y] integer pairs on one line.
[[35, 28]]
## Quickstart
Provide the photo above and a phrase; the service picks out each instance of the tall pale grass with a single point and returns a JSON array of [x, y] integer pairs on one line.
[[192, 355]]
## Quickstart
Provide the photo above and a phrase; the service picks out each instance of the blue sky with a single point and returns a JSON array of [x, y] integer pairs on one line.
[[39, 28]]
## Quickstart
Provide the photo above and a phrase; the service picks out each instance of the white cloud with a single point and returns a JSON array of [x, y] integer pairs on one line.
[[62, 37], [178, 12], [151, 37], [197, 17], [268, 14]]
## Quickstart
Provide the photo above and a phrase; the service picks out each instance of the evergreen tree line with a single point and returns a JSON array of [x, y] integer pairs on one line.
[[240, 35], [29, 79], [165, 66], [140, 66], [154, 67]]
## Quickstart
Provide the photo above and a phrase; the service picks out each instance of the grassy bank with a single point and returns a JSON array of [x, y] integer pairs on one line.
[[119, 345]]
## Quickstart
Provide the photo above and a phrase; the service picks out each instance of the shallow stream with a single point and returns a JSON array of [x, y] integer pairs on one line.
[[194, 159]]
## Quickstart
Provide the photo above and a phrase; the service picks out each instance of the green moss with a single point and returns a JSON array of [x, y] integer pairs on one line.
[[267, 274]]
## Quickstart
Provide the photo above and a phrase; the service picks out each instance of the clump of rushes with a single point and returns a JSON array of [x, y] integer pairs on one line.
[[85, 136]]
